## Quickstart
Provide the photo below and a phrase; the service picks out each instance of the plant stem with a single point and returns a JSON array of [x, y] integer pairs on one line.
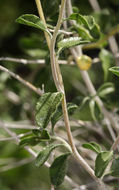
[[115, 144], [54, 62], [64, 106], [63, 141], [41, 14], [26, 83], [60, 87], [91, 87]]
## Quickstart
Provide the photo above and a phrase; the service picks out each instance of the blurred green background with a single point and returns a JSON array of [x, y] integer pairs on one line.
[[24, 42]]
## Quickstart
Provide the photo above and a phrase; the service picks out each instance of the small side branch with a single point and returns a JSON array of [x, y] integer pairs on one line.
[[26, 83]]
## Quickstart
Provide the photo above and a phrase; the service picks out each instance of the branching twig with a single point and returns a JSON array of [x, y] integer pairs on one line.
[[34, 154], [26, 61], [23, 61], [26, 83], [92, 91], [60, 87], [42, 61], [12, 138]]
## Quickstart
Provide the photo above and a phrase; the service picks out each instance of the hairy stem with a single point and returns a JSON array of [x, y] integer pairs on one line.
[[60, 87], [64, 106]]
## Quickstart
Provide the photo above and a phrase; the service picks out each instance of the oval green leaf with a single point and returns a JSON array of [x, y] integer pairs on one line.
[[59, 114], [102, 161], [105, 89], [86, 26], [115, 168], [46, 107], [42, 134], [70, 42], [92, 146], [58, 169], [45, 153], [107, 60], [33, 21]]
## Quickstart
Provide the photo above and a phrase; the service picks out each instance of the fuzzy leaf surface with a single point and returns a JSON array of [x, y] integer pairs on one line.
[[33, 21], [45, 153], [70, 42], [46, 107], [58, 169]]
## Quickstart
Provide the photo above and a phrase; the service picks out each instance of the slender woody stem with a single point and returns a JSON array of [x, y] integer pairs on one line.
[[59, 84], [64, 106], [115, 144], [41, 14], [26, 83]]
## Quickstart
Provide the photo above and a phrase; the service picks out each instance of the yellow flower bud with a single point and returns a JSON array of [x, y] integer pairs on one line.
[[84, 62]]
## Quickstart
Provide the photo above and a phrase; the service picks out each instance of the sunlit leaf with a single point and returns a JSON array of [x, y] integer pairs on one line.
[[70, 42]]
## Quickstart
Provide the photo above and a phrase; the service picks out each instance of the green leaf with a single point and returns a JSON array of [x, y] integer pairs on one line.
[[86, 26], [87, 21], [107, 61], [115, 70], [92, 108], [92, 146], [95, 110], [29, 140], [83, 112], [46, 107], [58, 169], [88, 110], [59, 114], [105, 89], [115, 168], [42, 134], [33, 21], [45, 153], [102, 162], [70, 42], [35, 138]]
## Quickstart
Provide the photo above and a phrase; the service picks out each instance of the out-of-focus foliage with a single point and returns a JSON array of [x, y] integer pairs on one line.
[[25, 42]]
